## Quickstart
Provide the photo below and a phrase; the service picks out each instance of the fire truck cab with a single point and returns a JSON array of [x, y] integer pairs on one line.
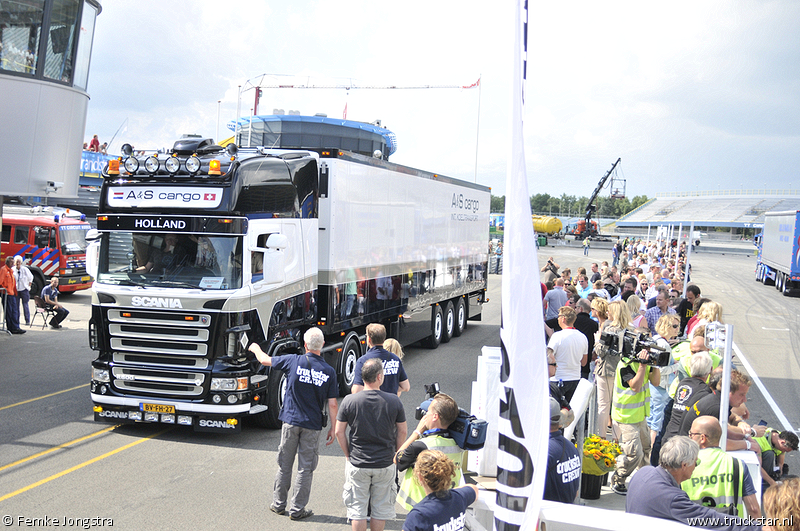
[[52, 242]]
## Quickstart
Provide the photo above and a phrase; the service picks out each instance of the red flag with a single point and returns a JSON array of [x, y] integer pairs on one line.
[[476, 84]]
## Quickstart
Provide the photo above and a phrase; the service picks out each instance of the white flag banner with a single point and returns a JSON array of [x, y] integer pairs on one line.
[[524, 404]]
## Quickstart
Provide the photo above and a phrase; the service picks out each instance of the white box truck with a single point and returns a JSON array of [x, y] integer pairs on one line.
[[203, 251], [778, 259]]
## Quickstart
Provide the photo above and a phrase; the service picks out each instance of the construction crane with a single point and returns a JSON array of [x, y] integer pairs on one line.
[[588, 227], [349, 85]]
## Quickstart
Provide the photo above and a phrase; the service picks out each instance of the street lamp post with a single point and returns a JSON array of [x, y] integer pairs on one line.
[[219, 103]]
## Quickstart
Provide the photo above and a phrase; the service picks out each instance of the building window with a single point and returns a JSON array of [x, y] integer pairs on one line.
[[20, 31], [58, 61]]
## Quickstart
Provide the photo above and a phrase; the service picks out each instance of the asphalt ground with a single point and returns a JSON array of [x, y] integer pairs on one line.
[[57, 463]]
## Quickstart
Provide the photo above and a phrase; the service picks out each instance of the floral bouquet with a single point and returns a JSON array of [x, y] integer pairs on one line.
[[599, 455]]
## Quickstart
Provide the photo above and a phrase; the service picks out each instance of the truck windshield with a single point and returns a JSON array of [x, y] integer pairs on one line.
[[73, 239], [171, 260]]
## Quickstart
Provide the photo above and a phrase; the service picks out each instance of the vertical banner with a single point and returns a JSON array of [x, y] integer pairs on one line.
[[524, 405]]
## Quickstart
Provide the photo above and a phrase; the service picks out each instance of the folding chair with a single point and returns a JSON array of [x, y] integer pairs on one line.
[[42, 309]]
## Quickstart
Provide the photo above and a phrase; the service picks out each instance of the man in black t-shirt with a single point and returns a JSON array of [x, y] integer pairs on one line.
[[378, 428], [686, 308]]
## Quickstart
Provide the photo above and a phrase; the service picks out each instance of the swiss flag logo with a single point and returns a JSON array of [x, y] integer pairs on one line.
[[209, 197]]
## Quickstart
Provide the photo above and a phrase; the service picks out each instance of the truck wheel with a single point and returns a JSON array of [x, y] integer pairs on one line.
[[779, 281], [449, 316], [276, 390], [786, 286], [758, 273], [437, 328], [346, 364], [461, 317], [765, 276]]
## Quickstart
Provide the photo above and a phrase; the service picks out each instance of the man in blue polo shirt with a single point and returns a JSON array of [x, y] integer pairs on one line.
[[563, 462], [395, 380], [309, 383]]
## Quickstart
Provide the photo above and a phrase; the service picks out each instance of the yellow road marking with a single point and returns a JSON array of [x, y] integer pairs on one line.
[[60, 446], [78, 467], [45, 396]]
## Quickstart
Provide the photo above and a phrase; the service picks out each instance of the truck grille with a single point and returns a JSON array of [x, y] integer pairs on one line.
[[168, 348]]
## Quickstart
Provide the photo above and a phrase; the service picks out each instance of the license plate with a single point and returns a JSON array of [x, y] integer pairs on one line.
[[86, 279], [157, 408]]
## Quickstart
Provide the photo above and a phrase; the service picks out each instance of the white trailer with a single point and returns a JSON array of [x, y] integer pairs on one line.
[[208, 251]]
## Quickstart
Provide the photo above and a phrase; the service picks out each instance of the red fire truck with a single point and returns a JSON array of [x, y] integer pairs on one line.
[[52, 242]]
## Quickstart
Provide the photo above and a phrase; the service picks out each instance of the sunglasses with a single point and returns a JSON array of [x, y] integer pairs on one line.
[[553, 364], [675, 326]]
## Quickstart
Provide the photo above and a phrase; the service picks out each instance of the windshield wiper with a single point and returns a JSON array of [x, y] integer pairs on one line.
[[176, 283], [128, 282]]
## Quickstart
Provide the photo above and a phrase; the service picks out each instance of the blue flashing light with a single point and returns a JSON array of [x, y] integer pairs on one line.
[[55, 218], [83, 217]]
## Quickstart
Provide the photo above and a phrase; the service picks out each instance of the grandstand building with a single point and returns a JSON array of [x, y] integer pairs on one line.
[[740, 212]]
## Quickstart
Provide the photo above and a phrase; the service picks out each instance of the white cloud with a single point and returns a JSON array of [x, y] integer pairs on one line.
[[687, 92]]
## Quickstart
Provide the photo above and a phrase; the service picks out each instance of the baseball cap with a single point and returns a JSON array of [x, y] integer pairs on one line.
[[555, 411]]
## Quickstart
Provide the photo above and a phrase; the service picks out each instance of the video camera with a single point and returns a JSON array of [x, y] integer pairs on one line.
[[632, 344], [467, 431]]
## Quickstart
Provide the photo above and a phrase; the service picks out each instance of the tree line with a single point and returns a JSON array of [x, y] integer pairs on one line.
[[570, 205]]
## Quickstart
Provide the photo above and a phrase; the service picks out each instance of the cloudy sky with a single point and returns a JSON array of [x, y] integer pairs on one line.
[[691, 95]]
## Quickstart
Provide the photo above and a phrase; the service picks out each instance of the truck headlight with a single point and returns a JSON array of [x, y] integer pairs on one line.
[[100, 375], [229, 384]]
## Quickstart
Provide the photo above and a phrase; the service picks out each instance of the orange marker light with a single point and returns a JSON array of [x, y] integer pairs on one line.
[[113, 167], [214, 167]]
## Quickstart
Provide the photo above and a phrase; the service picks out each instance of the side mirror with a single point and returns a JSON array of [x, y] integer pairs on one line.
[[92, 235], [277, 241], [93, 257]]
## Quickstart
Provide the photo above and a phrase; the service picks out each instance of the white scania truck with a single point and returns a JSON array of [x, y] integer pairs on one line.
[[202, 251]]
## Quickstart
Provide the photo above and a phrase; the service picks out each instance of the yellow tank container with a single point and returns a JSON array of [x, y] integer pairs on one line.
[[546, 224]]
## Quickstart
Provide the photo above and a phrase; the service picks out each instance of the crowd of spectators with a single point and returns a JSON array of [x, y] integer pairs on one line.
[[645, 407]]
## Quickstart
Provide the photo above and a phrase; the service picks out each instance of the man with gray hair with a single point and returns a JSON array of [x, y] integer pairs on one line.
[[656, 492], [689, 390], [309, 383]]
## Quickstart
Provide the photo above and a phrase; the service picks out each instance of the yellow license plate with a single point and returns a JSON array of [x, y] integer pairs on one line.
[[86, 279], [157, 408]]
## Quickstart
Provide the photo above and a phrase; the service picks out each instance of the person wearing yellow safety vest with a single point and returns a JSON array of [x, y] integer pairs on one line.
[[682, 353], [720, 480], [630, 405], [431, 433], [774, 446]]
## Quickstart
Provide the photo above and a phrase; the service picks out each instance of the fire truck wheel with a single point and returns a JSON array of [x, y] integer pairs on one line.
[[37, 285]]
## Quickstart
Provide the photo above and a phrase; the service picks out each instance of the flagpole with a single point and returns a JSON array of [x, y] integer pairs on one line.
[[478, 128], [524, 424]]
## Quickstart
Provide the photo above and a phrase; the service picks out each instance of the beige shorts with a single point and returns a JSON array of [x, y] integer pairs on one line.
[[370, 486]]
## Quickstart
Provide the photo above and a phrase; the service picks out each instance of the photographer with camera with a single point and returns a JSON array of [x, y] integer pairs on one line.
[[431, 433], [630, 406]]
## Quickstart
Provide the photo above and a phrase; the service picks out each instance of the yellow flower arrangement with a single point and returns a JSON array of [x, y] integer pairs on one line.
[[599, 455]]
